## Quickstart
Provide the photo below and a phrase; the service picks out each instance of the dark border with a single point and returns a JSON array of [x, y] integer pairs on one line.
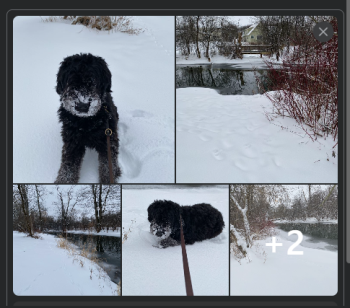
[[164, 300], [121, 240]]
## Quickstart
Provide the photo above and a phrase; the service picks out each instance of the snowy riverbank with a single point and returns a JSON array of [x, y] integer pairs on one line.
[[313, 273], [142, 68], [40, 267], [310, 220], [115, 233], [248, 61], [148, 270], [223, 139]]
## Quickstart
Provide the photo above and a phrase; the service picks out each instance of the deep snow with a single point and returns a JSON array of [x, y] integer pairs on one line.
[[228, 139], [40, 267], [148, 270], [142, 69], [313, 273]]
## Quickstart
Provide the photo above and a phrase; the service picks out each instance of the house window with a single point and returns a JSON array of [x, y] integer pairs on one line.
[[252, 36], [259, 37]]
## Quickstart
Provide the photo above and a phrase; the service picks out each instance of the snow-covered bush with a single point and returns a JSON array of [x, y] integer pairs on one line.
[[102, 23], [126, 233], [238, 249], [250, 211]]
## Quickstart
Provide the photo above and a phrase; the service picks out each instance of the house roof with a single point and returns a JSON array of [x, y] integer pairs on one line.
[[251, 29]]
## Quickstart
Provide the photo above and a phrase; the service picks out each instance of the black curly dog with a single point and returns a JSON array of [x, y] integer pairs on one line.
[[86, 111], [199, 222]]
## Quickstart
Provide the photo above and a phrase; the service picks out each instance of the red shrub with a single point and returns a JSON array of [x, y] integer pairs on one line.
[[306, 86]]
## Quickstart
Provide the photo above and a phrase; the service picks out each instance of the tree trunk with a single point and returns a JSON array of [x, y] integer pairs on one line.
[[25, 207], [64, 223], [207, 51], [98, 205], [245, 220], [39, 207], [197, 38], [100, 212]]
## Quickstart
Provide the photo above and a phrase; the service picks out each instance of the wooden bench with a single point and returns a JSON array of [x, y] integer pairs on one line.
[[256, 49]]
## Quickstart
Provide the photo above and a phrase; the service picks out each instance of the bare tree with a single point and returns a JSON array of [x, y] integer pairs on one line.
[[22, 195], [210, 29], [185, 33], [67, 200], [211, 33], [40, 192], [104, 198], [251, 213], [197, 36], [243, 211]]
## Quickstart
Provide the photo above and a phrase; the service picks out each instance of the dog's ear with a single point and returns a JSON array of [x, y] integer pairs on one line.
[[63, 73], [151, 209], [150, 212], [104, 82], [174, 215]]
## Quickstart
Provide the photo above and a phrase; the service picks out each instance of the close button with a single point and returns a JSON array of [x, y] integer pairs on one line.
[[323, 31]]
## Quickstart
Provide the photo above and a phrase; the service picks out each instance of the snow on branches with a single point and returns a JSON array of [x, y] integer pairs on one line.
[[305, 86]]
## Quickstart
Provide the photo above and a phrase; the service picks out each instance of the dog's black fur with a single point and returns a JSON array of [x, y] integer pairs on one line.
[[199, 222], [87, 109]]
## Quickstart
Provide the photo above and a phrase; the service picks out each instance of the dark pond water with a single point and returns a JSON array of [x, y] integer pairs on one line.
[[108, 250], [227, 80], [315, 235]]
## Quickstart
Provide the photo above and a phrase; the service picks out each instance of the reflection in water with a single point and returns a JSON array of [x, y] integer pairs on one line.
[[108, 250], [226, 80]]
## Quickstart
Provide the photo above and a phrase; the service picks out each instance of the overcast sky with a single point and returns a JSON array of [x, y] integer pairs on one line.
[[293, 191], [49, 200], [242, 20]]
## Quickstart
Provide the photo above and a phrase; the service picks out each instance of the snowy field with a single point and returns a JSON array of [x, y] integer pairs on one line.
[[313, 273], [42, 268], [142, 69], [148, 270], [227, 138]]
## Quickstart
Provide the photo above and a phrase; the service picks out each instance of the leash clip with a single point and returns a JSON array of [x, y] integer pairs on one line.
[[108, 132]]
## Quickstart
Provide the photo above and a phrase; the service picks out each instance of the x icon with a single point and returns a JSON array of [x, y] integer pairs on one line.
[[323, 31]]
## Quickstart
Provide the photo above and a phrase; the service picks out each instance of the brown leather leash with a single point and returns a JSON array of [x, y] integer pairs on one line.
[[109, 133], [188, 283]]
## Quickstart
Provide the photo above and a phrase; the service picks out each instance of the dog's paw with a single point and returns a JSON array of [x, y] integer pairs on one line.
[[158, 246]]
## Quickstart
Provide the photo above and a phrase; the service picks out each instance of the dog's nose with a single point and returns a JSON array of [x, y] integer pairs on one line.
[[159, 233], [82, 107]]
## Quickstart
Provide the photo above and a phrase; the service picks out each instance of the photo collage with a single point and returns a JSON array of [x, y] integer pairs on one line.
[[174, 156]]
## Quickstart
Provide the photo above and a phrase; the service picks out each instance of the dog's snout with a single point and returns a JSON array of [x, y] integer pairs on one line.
[[159, 233], [82, 107]]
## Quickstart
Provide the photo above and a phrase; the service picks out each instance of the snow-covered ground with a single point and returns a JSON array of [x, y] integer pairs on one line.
[[313, 273], [142, 69], [148, 270], [248, 61], [227, 138], [40, 267], [309, 220], [115, 233]]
